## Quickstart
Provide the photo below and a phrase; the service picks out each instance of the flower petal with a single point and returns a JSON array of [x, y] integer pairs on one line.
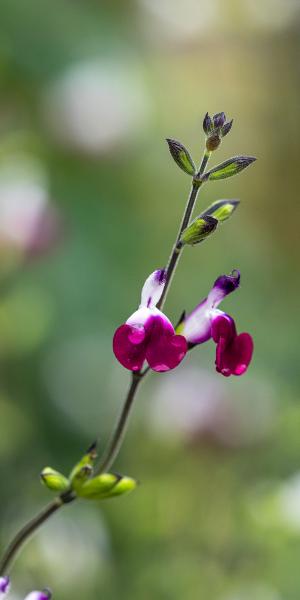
[[196, 326], [233, 352], [165, 350], [153, 288], [129, 346], [224, 285], [4, 586], [44, 595]]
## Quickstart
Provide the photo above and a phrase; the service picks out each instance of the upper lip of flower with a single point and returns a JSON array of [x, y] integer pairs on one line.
[[148, 334]]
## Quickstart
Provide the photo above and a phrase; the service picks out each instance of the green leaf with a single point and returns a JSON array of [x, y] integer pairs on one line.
[[221, 209], [181, 156], [230, 167], [54, 480], [199, 230]]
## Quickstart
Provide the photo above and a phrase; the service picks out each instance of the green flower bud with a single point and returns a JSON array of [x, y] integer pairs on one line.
[[221, 209], [99, 486], [88, 459], [81, 477], [199, 230], [106, 485], [54, 480], [125, 485]]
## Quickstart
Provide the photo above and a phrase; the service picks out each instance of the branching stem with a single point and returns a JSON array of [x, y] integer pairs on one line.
[[116, 440]]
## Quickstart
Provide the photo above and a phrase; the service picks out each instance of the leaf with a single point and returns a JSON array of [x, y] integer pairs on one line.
[[181, 156], [230, 167]]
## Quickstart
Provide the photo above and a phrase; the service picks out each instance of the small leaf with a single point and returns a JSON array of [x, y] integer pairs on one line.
[[199, 230], [221, 209], [230, 167], [182, 157], [54, 480]]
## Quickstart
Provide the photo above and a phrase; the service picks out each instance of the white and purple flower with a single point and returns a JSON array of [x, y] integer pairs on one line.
[[5, 587], [233, 352], [148, 335]]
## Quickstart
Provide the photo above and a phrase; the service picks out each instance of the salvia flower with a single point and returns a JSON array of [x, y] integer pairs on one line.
[[233, 352], [215, 129], [148, 335], [5, 586]]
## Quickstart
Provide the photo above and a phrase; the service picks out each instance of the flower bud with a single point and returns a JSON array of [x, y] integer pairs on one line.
[[199, 230], [215, 129], [81, 477], [88, 459], [54, 480], [106, 485], [221, 209], [99, 486], [43, 595]]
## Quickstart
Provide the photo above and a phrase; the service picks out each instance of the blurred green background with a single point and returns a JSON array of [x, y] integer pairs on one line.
[[90, 202]]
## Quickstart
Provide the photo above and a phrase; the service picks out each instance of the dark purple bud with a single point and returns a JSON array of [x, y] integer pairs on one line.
[[219, 120], [207, 124], [226, 128]]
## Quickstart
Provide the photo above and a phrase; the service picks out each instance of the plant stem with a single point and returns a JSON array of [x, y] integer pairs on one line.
[[177, 248], [116, 440]]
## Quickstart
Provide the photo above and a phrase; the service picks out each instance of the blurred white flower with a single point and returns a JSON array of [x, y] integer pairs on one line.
[[179, 21], [28, 223], [194, 403], [94, 106], [272, 14], [254, 591], [289, 501]]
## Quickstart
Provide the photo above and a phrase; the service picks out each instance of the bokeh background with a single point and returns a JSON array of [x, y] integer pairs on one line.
[[89, 205]]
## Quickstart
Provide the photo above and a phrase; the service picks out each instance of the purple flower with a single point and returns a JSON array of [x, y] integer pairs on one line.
[[233, 352], [4, 586], [148, 334], [44, 595]]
